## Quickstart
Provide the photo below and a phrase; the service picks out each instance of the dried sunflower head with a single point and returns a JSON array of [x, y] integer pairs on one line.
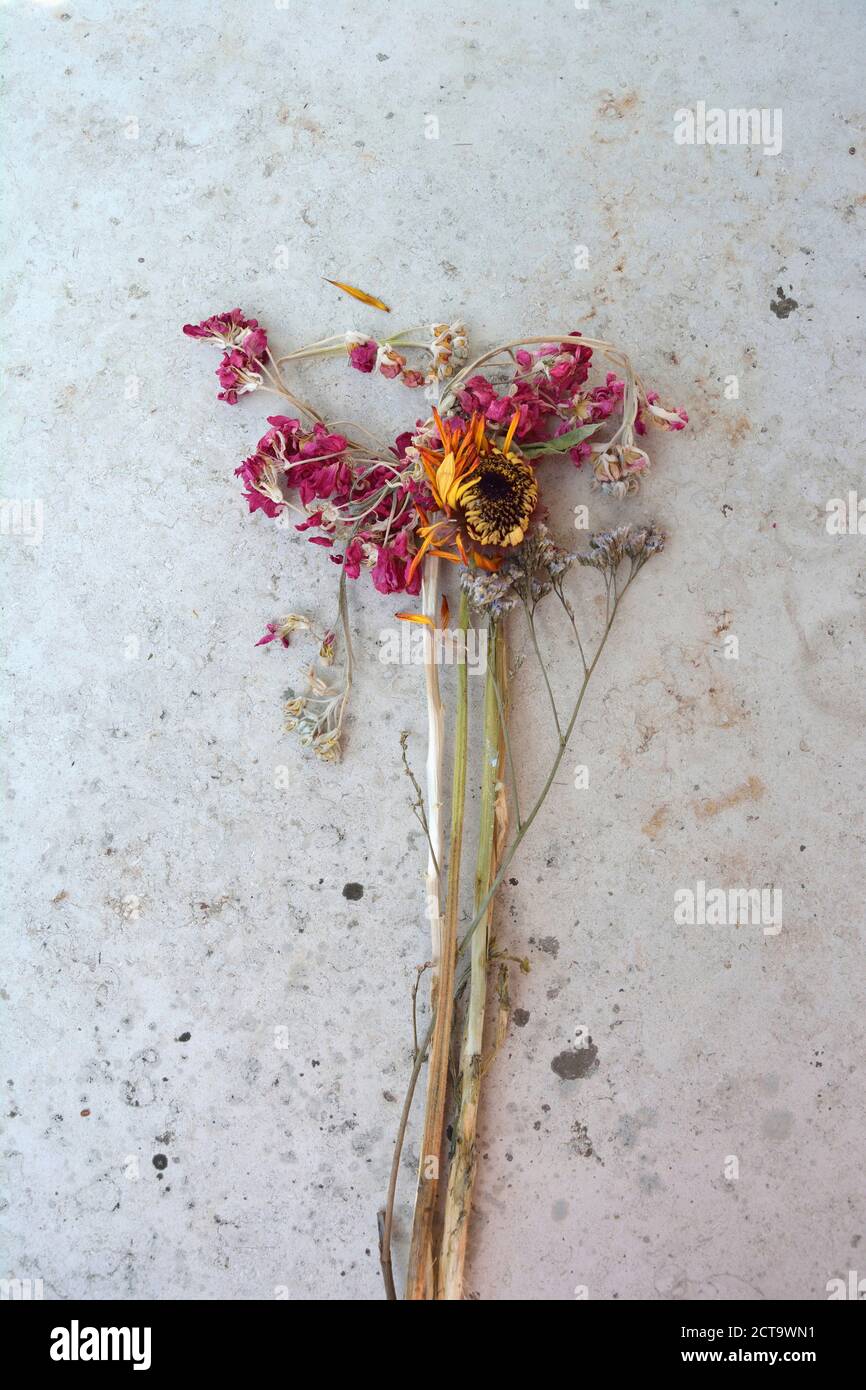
[[486, 492], [498, 499]]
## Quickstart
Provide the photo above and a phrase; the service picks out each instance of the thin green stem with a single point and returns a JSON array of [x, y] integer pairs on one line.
[[506, 739], [530, 618]]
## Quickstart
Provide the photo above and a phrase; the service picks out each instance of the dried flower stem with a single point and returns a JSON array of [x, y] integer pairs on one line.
[[435, 745], [421, 1274], [386, 1215], [522, 830], [530, 618], [461, 1175], [503, 861]]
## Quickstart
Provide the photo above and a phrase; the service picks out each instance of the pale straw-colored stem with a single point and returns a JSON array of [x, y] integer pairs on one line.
[[491, 833], [435, 736], [420, 1281]]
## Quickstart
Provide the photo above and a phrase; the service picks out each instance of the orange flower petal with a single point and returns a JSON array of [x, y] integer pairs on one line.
[[419, 553], [358, 294], [487, 562], [515, 421], [415, 618], [444, 432]]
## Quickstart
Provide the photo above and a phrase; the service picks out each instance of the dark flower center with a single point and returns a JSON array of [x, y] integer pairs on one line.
[[499, 500]]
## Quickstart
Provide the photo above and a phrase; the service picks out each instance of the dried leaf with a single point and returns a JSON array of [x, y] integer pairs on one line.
[[358, 294], [560, 445]]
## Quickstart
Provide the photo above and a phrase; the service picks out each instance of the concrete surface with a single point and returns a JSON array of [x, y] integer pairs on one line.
[[170, 908]]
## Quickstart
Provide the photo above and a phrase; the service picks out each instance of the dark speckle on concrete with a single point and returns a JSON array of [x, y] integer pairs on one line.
[[571, 1066], [580, 1140], [160, 1161], [550, 945], [521, 1018], [183, 1037], [783, 306], [353, 891]]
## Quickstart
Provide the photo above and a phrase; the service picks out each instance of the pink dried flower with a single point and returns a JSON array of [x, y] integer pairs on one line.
[[526, 401], [255, 342], [281, 440], [363, 354], [352, 559], [521, 398], [272, 634], [320, 470], [320, 443], [389, 571], [262, 486], [237, 375], [556, 368], [591, 407], [413, 378], [477, 394], [245, 344], [402, 443], [279, 632], [226, 329], [664, 417], [389, 362]]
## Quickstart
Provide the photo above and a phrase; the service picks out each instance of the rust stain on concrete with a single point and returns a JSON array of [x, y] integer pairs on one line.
[[750, 790], [656, 823]]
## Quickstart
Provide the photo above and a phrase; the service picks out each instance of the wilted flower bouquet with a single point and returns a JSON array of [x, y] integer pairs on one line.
[[466, 486]]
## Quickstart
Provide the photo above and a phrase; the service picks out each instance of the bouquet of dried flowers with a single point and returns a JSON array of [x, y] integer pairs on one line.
[[465, 486]]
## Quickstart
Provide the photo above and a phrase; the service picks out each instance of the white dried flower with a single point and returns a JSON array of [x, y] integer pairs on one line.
[[617, 469]]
